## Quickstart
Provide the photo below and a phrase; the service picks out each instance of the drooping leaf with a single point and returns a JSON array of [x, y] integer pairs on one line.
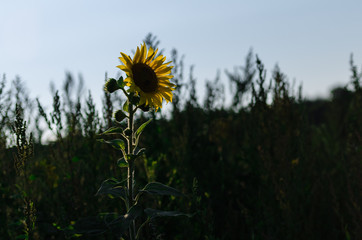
[[122, 163], [140, 152], [160, 189], [152, 213], [105, 222], [116, 143], [113, 130], [112, 187]]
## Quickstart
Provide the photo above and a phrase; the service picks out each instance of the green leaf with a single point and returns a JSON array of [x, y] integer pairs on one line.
[[122, 163], [125, 106], [160, 189], [75, 159], [116, 143], [23, 236], [121, 82], [112, 130], [134, 212], [104, 222], [125, 221], [140, 152], [112, 187], [140, 129], [32, 177], [153, 213]]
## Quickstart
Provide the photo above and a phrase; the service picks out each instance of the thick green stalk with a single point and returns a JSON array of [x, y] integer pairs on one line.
[[132, 231]]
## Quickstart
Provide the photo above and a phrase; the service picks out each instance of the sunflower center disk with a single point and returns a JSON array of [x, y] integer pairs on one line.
[[144, 77]]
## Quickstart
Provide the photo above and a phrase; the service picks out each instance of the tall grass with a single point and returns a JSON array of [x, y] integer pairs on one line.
[[272, 165]]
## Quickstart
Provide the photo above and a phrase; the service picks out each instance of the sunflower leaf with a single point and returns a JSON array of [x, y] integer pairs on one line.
[[125, 106], [113, 188], [153, 213], [115, 143], [140, 152], [122, 163], [160, 189], [105, 222], [140, 129], [112, 130]]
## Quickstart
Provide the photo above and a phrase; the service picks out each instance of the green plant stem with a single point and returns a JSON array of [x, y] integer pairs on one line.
[[132, 231]]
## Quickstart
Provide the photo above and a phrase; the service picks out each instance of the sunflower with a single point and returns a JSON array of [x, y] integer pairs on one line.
[[148, 76]]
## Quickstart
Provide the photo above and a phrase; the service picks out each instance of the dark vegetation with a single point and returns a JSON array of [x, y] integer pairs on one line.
[[272, 165]]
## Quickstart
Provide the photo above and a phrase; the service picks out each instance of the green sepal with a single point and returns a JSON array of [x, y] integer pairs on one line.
[[160, 189], [115, 143], [112, 188], [121, 82], [153, 213]]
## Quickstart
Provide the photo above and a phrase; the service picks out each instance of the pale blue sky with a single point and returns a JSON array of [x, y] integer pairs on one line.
[[310, 40]]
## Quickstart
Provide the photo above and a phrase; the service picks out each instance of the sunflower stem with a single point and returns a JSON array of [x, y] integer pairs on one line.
[[130, 179], [125, 92]]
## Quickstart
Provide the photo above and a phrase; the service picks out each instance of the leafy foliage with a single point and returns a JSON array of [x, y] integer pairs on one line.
[[275, 167]]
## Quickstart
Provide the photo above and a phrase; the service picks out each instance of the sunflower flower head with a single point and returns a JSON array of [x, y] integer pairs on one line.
[[148, 76]]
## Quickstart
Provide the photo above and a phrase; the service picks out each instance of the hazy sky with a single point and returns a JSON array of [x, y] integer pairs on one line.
[[311, 41]]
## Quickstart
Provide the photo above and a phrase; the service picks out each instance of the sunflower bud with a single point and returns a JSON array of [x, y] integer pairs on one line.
[[119, 115], [135, 99], [111, 85], [144, 107]]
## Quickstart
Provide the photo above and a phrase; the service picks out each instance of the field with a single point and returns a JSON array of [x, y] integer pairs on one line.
[[271, 165]]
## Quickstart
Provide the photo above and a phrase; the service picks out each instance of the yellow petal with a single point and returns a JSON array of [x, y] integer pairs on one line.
[[125, 69], [166, 84], [127, 59], [167, 96], [150, 52], [157, 62], [137, 55], [165, 77], [143, 53], [163, 70], [157, 101]]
